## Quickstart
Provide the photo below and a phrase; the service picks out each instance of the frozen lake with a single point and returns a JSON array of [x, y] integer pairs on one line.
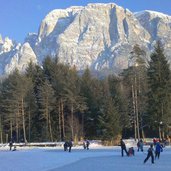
[[96, 159]]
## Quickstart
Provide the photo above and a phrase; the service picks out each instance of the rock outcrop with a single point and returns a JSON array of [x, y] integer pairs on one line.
[[98, 36]]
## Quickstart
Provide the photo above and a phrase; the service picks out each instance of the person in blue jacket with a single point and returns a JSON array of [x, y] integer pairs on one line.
[[158, 150]]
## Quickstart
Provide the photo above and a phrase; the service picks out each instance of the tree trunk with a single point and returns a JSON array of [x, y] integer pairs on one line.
[[6, 138], [11, 130], [50, 128], [137, 115], [136, 105], [1, 137], [63, 121], [143, 135], [17, 134], [163, 135], [47, 122], [161, 121], [72, 121], [1, 129], [23, 115], [160, 133], [17, 124], [29, 124], [16, 128], [82, 125], [48, 119], [135, 125], [59, 121]]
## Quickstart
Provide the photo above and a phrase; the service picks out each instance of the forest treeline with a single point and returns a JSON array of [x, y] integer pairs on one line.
[[54, 102]]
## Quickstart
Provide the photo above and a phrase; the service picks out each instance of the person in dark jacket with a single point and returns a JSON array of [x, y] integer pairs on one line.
[[138, 145], [141, 145], [84, 145], [70, 145], [150, 154], [123, 148], [158, 150], [11, 144], [87, 144], [65, 146]]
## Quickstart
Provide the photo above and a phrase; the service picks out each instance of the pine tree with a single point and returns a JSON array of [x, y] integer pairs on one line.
[[91, 90], [58, 74], [135, 89], [140, 87], [15, 90], [46, 101], [159, 89], [31, 108], [75, 103], [109, 118]]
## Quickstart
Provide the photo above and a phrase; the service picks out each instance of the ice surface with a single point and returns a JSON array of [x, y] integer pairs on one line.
[[98, 158]]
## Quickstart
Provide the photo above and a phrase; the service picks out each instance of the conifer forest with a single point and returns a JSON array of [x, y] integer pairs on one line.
[[55, 102]]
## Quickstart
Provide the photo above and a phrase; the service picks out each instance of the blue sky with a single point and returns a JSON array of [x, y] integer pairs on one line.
[[19, 17]]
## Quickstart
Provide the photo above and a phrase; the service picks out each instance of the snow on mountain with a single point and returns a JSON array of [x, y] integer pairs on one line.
[[158, 26], [153, 14], [99, 36], [21, 58], [31, 38], [6, 45]]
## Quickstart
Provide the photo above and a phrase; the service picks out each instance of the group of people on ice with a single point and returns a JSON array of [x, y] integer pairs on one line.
[[68, 145], [150, 153], [158, 149], [86, 144]]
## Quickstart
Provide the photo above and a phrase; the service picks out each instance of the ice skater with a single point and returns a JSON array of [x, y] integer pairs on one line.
[[150, 154], [123, 148], [84, 145], [140, 145], [11, 144], [70, 145], [65, 146], [158, 150], [131, 151], [87, 144]]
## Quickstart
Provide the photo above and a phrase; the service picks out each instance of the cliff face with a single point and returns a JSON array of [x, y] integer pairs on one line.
[[99, 36]]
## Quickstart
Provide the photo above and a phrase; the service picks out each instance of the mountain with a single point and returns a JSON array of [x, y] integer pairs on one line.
[[98, 36], [13, 55]]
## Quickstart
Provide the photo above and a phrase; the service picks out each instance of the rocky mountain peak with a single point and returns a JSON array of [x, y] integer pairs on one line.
[[6, 45], [98, 35]]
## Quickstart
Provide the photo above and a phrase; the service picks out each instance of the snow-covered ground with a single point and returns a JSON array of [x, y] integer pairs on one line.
[[98, 158]]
